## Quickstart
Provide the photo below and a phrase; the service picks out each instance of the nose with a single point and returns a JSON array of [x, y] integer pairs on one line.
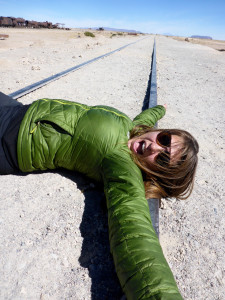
[[155, 148]]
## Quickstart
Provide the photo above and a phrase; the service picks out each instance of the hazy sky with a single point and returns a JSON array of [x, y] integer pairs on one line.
[[178, 17]]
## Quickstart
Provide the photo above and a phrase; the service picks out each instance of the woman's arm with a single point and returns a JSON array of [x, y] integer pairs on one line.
[[150, 116], [140, 264]]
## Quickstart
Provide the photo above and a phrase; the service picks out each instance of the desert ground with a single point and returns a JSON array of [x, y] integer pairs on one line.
[[215, 44], [54, 236]]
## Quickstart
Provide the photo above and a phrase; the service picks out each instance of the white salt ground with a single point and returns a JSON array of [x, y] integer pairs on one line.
[[54, 239], [191, 80]]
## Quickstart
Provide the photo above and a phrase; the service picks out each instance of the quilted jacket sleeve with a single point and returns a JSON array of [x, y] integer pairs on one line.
[[150, 116], [140, 264]]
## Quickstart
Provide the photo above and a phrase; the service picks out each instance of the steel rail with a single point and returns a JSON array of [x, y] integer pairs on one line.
[[153, 203], [30, 88]]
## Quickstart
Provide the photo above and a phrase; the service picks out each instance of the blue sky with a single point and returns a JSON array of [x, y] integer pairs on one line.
[[183, 17]]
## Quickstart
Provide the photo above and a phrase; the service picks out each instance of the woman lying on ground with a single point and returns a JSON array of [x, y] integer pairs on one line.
[[104, 144]]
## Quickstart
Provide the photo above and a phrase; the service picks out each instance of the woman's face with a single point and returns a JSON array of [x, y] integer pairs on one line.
[[147, 147]]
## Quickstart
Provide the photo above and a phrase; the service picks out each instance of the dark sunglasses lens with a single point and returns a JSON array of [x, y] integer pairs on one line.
[[164, 139], [163, 158]]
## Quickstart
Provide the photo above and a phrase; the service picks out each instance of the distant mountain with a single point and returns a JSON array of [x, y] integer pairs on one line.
[[168, 34], [201, 37], [116, 29]]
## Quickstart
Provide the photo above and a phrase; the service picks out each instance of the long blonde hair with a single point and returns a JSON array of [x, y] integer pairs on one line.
[[175, 179]]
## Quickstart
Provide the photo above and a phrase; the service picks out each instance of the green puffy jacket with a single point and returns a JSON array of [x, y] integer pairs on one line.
[[93, 140]]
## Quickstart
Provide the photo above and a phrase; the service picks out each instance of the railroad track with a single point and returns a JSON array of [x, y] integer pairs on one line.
[[152, 101], [30, 88]]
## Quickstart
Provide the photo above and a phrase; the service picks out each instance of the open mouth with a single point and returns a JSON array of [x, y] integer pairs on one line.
[[139, 147]]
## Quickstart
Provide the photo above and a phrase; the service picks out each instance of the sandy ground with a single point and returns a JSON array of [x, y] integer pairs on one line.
[[215, 44], [54, 236], [191, 80]]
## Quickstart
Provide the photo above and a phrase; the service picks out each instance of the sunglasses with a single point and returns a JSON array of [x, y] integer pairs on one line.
[[163, 139]]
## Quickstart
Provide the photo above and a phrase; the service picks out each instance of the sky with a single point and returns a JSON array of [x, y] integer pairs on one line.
[[176, 17]]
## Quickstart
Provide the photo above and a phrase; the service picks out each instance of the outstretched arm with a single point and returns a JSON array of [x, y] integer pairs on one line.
[[150, 116], [140, 264]]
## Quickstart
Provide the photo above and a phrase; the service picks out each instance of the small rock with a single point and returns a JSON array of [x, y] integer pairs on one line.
[[35, 68]]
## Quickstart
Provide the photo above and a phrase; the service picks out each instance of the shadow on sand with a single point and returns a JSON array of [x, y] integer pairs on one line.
[[95, 253]]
